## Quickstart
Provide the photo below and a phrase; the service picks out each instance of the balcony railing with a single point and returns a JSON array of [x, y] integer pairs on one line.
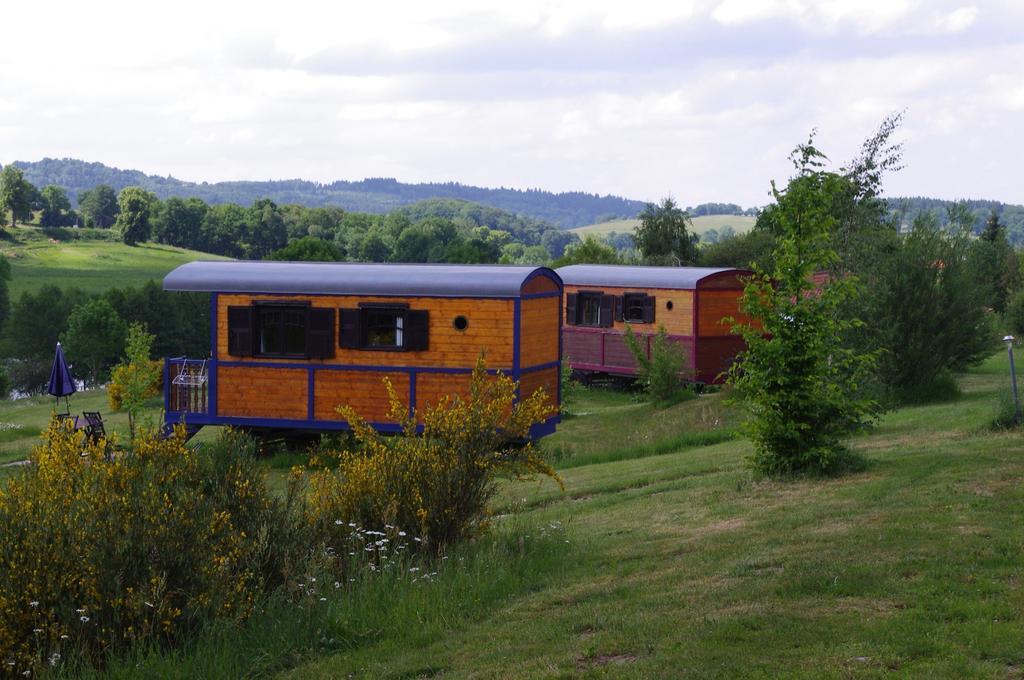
[[187, 383]]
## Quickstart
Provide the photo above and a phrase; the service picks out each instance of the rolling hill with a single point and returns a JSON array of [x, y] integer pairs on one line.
[[701, 224]]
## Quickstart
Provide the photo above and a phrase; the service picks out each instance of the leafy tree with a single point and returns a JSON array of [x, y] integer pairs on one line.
[[798, 380], [99, 205], [223, 229], [661, 373], [663, 235], [135, 208], [137, 377], [56, 207], [266, 230], [37, 321], [740, 250], [16, 194], [588, 251], [556, 241], [992, 259], [373, 248], [308, 249], [95, 336], [5, 292], [180, 321], [179, 222]]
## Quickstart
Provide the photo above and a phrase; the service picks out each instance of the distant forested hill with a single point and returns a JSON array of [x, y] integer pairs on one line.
[[1011, 215], [375, 195]]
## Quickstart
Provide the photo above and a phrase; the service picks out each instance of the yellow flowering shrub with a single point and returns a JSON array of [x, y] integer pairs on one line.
[[118, 377], [435, 482], [101, 551]]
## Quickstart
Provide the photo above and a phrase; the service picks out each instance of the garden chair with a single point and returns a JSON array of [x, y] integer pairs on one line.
[[94, 429]]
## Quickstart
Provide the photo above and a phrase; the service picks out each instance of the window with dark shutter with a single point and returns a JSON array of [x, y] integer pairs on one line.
[[649, 309], [349, 332], [571, 317], [634, 307], [618, 303], [606, 319], [240, 331], [588, 309], [417, 331], [280, 330], [320, 334]]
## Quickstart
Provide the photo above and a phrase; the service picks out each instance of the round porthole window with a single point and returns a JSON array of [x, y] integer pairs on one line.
[[460, 323], [668, 305]]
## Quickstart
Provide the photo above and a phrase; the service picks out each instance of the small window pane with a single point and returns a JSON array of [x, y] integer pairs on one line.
[[590, 309], [634, 307], [384, 328], [294, 331], [270, 331]]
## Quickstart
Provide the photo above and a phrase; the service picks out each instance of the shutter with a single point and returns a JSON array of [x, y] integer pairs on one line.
[[606, 319], [240, 331], [417, 330], [619, 304], [649, 309], [570, 309], [320, 333], [348, 334]]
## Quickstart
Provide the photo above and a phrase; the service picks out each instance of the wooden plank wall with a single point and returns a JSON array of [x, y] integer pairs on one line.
[[677, 321], [362, 390], [252, 392], [546, 378], [715, 305], [490, 328], [538, 334]]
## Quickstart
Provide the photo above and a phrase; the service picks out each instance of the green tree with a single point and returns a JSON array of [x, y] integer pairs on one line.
[[179, 222], [16, 194], [308, 249], [740, 250], [266, 230], [56, 207], [661, 374], [135, 208], [224, 227], [99, 206], [798, 380], [373, 248], [663, 235], [37, 321], [588, 251], [95, 336], [5, 292], [137, 377]]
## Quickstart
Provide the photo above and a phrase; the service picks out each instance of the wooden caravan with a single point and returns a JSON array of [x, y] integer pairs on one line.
[[291, 341], [690, 302]]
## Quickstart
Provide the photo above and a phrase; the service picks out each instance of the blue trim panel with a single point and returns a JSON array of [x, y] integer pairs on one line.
[[541, 367], [356, 367], [517, 331], [211, 371]]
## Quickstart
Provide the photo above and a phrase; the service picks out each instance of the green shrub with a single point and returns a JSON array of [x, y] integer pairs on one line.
[[433, 483], [100, 553], [1014, 317], [661, 375], [942, 387], [570, 389], [1004, 416]]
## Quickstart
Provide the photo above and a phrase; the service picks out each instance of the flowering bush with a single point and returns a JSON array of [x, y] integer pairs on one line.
[[435, 480], [100, 552]]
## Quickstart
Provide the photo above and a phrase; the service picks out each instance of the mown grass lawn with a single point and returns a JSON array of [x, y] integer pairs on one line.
[[91, 266], [739, 224], [685, 565]]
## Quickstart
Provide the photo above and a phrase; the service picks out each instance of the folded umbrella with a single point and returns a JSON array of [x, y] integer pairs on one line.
[[61, 382]]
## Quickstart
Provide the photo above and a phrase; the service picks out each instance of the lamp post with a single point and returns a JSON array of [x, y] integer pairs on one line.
[[1013, 380]]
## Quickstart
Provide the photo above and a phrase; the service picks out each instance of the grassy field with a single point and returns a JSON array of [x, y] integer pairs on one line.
[[91, 265], [680, 563], [739, 223]]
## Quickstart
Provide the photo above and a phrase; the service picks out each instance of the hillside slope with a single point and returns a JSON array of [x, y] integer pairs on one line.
[[701, 224]]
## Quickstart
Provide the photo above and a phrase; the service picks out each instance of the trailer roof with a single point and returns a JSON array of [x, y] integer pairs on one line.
[[343, 278], [627, 276]]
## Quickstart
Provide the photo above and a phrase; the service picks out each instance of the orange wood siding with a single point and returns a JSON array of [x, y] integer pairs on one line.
[[490, 328], [539, 327], [677, 321], [432, 387], [362, 390], [714, 306], [548, 379], [540, 284], [262, 392], [730, 280]]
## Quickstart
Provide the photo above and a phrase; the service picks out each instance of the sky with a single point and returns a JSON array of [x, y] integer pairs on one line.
[[701, 100]]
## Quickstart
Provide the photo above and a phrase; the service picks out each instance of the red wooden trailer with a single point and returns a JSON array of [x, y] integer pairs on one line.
[[691, 303]]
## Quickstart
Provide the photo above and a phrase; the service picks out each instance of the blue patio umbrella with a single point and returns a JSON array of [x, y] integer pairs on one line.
[[61, 382]]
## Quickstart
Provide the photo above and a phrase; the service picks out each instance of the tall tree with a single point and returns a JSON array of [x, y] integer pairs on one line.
[[663, 235], [56, 207], [135, 207], [266, 232], [588, 251], [99, 205], [16, 194], [179, 222], [797, 378], [95, 336]]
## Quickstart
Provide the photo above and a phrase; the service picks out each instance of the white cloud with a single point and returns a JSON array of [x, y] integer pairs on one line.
[[959, 19]]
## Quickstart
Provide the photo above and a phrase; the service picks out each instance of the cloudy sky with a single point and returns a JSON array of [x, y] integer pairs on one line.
[[699, 99]]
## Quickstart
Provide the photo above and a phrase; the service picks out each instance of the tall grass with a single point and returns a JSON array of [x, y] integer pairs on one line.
[[397, 608]]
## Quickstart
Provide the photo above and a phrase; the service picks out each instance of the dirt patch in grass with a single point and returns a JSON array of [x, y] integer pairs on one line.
[[620, 659]]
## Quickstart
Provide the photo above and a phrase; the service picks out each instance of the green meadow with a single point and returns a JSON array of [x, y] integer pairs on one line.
[[665, 557], [41, 257], [739, 223]]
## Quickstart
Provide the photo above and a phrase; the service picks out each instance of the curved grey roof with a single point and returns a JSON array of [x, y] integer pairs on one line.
[[343, 278], [627, 276]]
